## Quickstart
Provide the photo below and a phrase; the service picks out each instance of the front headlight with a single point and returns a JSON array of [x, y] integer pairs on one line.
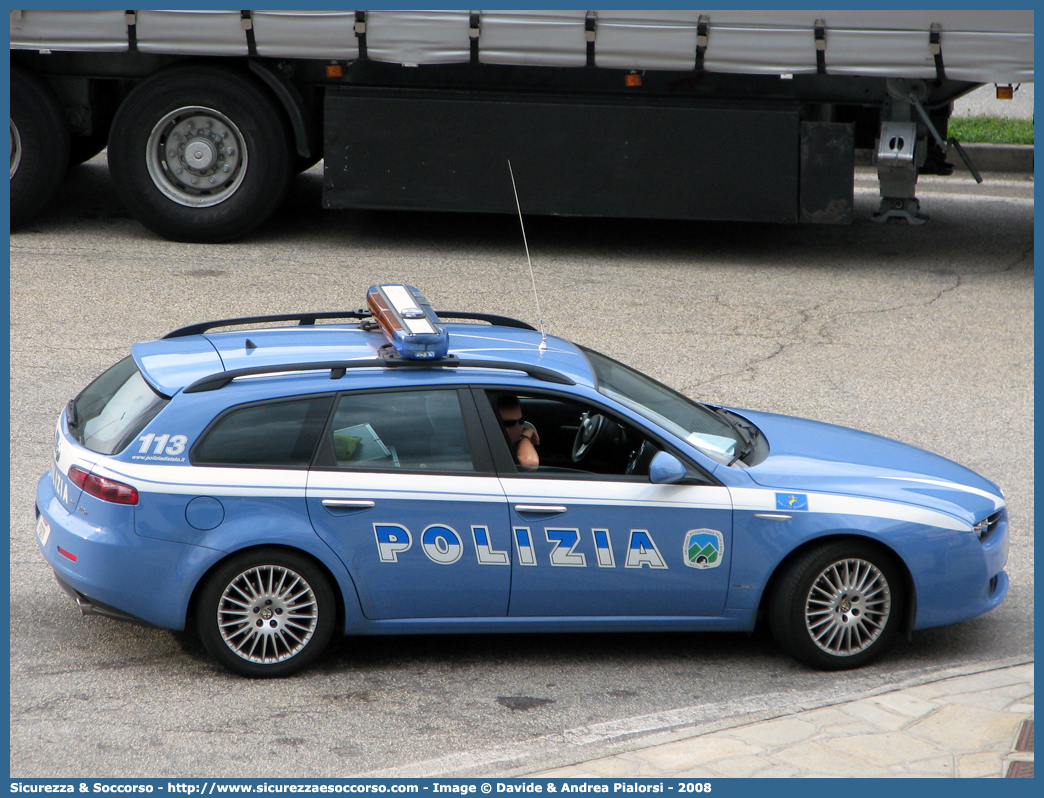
[[985, 526]]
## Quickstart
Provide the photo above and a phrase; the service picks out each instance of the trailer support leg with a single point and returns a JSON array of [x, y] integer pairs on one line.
[[900, 209], [899, 155]]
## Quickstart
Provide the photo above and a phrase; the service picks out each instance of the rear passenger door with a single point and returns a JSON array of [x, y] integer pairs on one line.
[[403, 491]]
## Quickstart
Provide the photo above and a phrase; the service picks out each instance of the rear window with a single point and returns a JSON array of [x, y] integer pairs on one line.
[[111, 411]]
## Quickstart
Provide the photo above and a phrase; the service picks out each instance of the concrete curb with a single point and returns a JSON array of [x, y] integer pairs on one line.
[[969, 725], [571, 746], [996, 157]]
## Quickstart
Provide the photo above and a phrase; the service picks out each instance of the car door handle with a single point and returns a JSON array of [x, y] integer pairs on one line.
[[540, 508], [348, 504]]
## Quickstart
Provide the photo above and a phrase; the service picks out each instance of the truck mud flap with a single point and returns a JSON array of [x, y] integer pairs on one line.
[[827, 172]]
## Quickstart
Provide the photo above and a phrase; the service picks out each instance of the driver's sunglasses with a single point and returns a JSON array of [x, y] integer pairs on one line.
[[513, 422]]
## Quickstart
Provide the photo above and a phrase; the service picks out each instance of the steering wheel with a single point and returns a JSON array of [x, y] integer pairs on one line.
[[635, 463], [592, 429]]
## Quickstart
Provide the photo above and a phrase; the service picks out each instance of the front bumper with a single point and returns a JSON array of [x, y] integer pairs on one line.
[[958, 576]]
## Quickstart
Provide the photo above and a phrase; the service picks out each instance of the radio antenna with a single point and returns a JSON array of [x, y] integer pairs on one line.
[[536, 297]]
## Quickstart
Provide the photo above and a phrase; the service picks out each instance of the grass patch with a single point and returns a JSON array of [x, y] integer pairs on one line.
[[991, 130]]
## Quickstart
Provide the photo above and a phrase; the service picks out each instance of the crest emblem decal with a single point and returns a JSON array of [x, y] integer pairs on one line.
[[792, 501], [704, 548]]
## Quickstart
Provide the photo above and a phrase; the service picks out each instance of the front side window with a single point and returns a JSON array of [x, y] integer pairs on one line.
[[569, 437], [110, 412], [281, 434], [407, 430]]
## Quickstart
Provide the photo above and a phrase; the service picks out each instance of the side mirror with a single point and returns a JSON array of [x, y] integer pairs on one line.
[[665, 469]]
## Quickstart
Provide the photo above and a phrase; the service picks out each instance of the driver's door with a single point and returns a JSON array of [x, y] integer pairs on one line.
[[606, 543]]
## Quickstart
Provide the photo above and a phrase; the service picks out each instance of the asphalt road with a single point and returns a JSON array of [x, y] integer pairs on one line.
[[924, 334]]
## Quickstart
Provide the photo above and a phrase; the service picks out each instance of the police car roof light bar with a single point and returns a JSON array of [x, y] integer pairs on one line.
[[308, 319], [338, 368], [407, 320]]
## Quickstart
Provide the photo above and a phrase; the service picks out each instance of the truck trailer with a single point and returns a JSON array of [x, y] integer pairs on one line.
[[689, 115]]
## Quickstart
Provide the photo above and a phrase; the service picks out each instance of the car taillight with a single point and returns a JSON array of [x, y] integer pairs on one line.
[[108, 490]]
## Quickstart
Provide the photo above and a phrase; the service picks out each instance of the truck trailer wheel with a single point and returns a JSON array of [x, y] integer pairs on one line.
[[200, 154], [39, 144]]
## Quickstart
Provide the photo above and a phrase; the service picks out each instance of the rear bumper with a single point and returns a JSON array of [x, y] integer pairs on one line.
[[89, 606], [109, 570]]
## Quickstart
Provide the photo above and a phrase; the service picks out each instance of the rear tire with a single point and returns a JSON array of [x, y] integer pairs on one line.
[[838, 606], [39, 144], [266, 613], [200, 154]]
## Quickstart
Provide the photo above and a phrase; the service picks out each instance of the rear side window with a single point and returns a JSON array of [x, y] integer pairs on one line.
[[282, 434], [412, 430], [111, 411]]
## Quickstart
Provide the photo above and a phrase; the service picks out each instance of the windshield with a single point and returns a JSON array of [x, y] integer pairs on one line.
[[114, 408], [693, 422]]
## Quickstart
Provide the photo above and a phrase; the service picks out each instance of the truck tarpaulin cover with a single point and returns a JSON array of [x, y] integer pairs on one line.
[[979, 46]]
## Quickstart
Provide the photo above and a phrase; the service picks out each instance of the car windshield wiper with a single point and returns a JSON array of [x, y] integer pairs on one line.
[[748, 441], [746, 450]]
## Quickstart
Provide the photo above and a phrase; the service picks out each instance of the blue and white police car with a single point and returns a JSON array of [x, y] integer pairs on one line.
[[360, 472]]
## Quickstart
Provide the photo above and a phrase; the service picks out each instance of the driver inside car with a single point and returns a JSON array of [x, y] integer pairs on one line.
[[579, 438], [522, 435]]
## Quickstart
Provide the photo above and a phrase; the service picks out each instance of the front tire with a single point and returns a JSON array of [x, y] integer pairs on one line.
[[200, 154], [39, 145], [838, 606], [266, 613]]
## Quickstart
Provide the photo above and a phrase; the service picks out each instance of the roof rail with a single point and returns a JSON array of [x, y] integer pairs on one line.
[[492, 318], [339, 367], [309, 319]]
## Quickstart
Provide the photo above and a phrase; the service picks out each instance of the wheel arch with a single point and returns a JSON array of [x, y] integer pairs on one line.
[[340, 600], [910, 611], [301, 116]]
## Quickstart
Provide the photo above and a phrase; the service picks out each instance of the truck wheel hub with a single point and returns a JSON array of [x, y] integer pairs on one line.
[[200, 155], [196, 156]]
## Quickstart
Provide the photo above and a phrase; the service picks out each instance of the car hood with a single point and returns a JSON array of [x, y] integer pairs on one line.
[[811, 456]]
